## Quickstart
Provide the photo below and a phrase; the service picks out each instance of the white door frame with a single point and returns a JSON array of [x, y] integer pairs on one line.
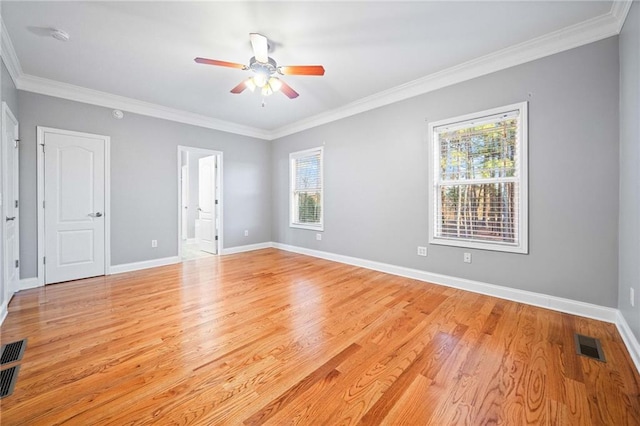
[[8, 155], [40, 196], [218, 154]]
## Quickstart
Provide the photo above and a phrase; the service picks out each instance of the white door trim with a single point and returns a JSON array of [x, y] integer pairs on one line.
[[193, 150], [40, 195]]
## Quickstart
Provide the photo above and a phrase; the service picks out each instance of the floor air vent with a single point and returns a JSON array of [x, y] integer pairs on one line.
[[8, 380], [589, 347], [13, 352]]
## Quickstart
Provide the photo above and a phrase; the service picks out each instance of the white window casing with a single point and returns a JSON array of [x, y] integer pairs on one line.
[[478, 180], [306, 187]]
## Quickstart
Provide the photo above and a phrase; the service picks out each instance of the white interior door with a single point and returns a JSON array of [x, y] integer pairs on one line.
[[184, 203], [10, 203], [74, 196], [206, 224]]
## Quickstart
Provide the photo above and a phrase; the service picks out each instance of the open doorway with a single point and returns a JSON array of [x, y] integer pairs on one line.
[[199, 202]]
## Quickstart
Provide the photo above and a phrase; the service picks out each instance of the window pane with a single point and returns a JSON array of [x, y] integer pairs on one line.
[[308, 172], [479, 152], [483, 212], [308, 207]]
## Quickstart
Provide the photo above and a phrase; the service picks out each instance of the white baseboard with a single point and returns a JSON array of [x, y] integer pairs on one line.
[[569, 306], [146, 264], [249, 247], [23, 284], [633, 346], [28, 283], [589, 310], [4, 310]]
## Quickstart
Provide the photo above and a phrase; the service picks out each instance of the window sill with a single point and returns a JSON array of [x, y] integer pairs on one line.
[[309, 227], [518, 249]]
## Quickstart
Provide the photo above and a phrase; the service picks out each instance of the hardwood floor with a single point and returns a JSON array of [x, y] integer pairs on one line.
[[271, 337]]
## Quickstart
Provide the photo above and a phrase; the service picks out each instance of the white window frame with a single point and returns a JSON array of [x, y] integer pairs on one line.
[[292, 176], [522, 227]]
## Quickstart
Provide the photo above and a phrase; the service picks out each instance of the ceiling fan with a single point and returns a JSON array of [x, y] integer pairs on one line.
[[265, 70]]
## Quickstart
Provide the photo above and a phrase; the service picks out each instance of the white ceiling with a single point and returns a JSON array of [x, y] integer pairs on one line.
[[145, 50]]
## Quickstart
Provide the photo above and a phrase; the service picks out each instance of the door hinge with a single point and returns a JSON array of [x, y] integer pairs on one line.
[[42, 147], [16, 204], [44, 260], [16, 142], [216, 201], [216, 238], [17, 263]]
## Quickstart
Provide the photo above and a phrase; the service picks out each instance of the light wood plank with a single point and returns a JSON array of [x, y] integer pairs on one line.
[[272, 337]]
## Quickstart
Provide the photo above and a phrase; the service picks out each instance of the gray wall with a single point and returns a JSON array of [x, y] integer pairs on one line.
[[630, 168], [9, 92], [144, 199], [376, 178]]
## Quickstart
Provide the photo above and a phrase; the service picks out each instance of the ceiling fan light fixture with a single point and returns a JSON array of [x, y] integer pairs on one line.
[[251, 85], [260, 79], [265, 71], [275, 84], [267, 90]]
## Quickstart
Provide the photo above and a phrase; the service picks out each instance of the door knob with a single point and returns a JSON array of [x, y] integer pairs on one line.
[[95, 214], [10, 218]]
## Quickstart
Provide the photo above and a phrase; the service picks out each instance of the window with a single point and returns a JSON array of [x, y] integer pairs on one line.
[[478, 188], [306, 189]]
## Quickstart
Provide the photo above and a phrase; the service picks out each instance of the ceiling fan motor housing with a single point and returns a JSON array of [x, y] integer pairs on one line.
[[266, 68]]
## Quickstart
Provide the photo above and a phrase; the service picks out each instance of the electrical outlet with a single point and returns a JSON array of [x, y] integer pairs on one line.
[[422, 251], [467, 258], [632, 296], [319, 237], [154, 243], [246, 232]]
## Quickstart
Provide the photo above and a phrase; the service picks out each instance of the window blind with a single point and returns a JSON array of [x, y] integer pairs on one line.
[[306, 189]]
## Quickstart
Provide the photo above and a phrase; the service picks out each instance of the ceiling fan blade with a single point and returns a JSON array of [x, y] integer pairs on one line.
[[220, 63], [260, 47], [240, 87], [302, 70], [287, 90]]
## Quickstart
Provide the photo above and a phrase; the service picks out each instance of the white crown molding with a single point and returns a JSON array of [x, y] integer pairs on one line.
[[620, 10], [71, 92], [9, 55], [576, 35]]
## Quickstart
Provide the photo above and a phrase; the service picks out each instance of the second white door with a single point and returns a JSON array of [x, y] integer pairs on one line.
[[74, 205], [206, 228]]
